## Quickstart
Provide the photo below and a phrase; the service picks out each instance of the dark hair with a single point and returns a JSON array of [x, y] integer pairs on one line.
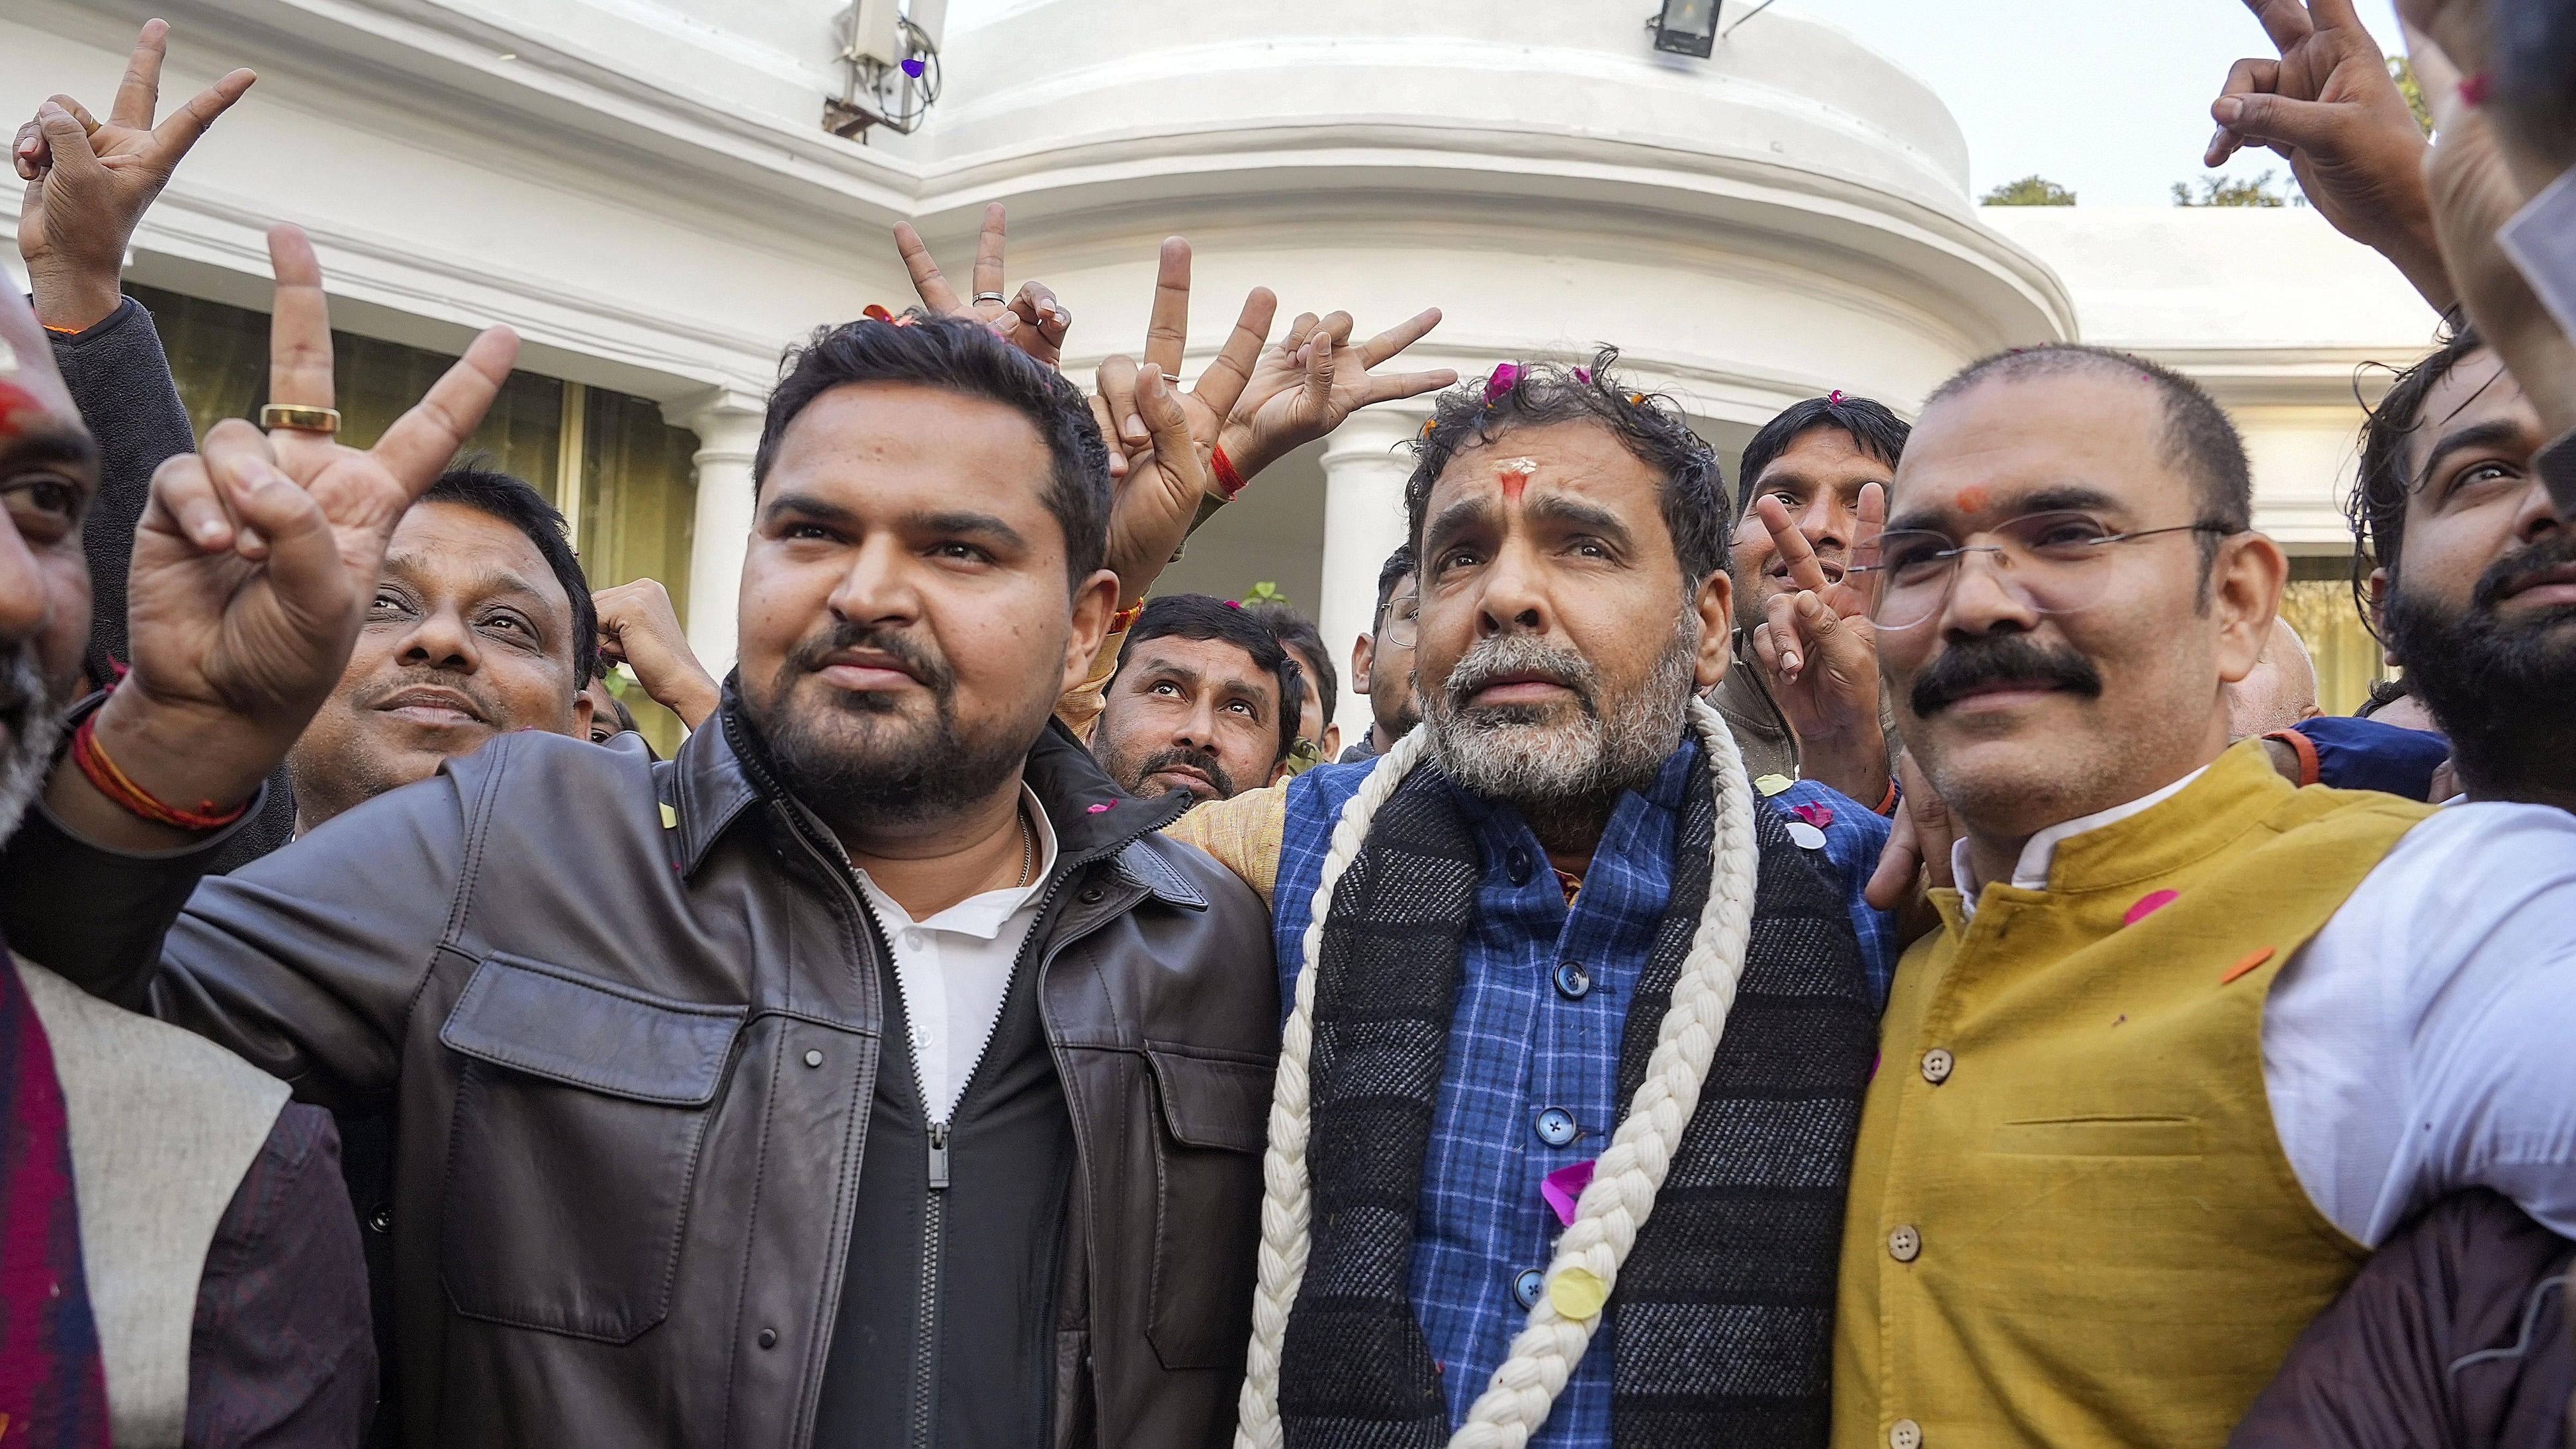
[[1390, 573], [474, 484], [967, 359], [1296, 631], [1651, 427], [1205, 616], [624, 717], [1871, 427], [2377, 508], [2197, 434]]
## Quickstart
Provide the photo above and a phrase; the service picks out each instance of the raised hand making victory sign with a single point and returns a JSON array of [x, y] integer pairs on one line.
[[1032, 321], [253, 564], [88, 183]]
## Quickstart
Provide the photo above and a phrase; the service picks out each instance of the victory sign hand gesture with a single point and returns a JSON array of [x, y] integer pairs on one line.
[[88, 183], [256, 557], [1819, 652], [1032, 321]]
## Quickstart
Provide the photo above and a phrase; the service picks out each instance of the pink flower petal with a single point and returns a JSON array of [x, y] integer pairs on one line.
[[2148, 905], [1095, 809], [1562, 1187], [1815, 813]]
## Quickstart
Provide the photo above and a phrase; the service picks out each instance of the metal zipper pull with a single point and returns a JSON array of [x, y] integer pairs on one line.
[[938, 1155]]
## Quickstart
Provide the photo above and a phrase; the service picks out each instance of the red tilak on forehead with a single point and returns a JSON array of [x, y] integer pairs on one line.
[[1972, 499], [15, 401], [1514, 474]]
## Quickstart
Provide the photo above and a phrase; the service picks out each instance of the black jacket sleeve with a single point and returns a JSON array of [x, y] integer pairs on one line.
[[120, 381], [304, 962]]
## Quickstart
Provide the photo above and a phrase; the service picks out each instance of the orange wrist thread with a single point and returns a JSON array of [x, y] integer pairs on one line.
[[116, 785]]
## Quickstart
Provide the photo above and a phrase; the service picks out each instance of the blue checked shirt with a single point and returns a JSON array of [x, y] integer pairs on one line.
[[1519, 1047]]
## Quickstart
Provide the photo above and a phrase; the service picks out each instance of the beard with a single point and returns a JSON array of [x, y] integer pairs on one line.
[[854, 758], [1564, 776], [2504, 691], [32, 728]]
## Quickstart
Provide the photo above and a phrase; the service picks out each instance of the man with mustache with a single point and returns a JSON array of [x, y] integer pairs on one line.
[[1204, 702], [2189, 1040], [482, 623], [870, 1074], [1803, 696], [1484, 934], [177, 1258]]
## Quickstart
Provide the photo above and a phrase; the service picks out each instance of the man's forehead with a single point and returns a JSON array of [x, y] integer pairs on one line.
[[1994, 449], [1222, 657], [2478, 390], [1825, 448], [1578, 458], [470, 550], [33, 401], [891, 433]]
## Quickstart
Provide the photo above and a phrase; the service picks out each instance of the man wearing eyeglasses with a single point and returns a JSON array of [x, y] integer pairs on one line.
[[2189, 1041], [1382, 659]]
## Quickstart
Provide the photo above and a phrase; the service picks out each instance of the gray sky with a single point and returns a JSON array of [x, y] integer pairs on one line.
[[2111, 99]]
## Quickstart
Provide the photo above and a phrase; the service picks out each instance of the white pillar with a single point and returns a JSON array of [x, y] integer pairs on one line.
[[727, 423], [1364, 473]]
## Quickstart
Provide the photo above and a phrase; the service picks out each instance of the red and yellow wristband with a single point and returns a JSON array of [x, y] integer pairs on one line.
[[103, 773]]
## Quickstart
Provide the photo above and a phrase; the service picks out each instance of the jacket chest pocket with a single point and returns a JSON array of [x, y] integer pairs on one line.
[[1207, 1220], [574, 1147]]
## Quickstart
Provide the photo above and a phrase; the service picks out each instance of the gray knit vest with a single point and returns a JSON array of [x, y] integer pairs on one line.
[[1722, 1324]]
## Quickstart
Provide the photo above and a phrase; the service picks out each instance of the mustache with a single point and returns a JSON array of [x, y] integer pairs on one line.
[[2500, 578], [1203, 761], [1999, 659], [1519, 654], [376, 691], [918, 659]]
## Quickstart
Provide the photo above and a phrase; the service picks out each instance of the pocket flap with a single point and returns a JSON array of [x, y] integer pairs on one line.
[[541, 1020], [1212, 1103]]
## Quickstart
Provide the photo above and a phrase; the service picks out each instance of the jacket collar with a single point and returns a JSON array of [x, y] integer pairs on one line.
[[723, 770]]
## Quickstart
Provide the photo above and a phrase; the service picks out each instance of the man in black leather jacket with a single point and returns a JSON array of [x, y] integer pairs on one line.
[[693, 1149]]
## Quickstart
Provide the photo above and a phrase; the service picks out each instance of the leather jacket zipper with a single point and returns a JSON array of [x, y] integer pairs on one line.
[[826, 851], [934, 1247]]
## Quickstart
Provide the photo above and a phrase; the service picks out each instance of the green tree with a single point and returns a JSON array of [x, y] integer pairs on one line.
[[2031, 190], [2402, 71], [2216, 190]]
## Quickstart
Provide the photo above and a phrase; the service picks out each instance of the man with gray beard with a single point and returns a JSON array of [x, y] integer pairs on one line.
[[1568, 969], [178, 1262]]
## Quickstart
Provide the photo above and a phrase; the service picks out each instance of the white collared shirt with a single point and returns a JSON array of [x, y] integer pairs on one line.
[[954, 969], [2424, 1040]]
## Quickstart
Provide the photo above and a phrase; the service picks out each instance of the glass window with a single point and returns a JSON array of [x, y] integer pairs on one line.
[[2319, 604], [636, 494]]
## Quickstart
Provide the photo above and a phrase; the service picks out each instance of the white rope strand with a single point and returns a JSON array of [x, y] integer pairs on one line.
[[1622, 1192], [1286, 1203], [1624, 1182]]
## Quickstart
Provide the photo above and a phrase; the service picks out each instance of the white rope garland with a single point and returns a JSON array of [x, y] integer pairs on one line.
[[1585, 1267]]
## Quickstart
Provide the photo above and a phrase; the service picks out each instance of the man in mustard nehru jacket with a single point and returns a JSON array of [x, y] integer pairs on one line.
[[2189, 1041]]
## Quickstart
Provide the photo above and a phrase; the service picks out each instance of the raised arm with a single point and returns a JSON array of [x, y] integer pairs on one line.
[[2328, 106], [251, 572], [88, 186]]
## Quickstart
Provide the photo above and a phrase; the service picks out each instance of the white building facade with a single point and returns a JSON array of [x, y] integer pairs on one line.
[[646, 191]]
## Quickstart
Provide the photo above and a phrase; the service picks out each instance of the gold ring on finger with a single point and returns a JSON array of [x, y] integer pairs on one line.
[[325, 421]]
